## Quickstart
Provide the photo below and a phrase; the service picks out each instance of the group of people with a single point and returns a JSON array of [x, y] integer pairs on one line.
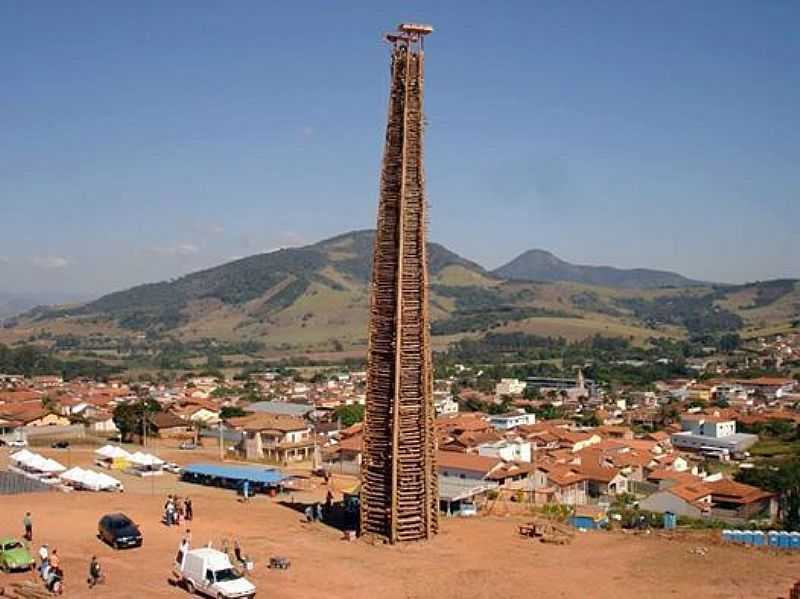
[[316, 513], [50, 571], [176, 510]]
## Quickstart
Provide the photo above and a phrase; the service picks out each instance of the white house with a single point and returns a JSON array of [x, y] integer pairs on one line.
[[444, 403], [509, 451], [509, 387], [511, 420]]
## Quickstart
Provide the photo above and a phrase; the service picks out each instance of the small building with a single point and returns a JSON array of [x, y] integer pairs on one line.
[[277, 438], [688, 499], [167, 425], [711, 434]]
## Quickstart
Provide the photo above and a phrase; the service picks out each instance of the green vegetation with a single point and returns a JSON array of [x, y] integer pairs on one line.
[[697, 313], [782, 478], [769, 292], [231, 412], [32, 361], [129, 417], [770, 448], [350, 414]]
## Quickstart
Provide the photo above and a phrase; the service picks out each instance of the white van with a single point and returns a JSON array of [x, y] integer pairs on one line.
[[210, 572]]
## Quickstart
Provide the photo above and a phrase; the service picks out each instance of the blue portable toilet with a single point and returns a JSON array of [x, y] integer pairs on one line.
[[773, 538], [733, 536], [726, 536], [759, 538], [794, 540], [747, 537], [670, 520], [784, 540]]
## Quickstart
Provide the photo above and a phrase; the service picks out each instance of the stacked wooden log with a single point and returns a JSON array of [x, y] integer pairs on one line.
[[399, 497]]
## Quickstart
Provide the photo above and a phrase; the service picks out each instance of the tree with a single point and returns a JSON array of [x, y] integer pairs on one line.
[[350, 414], [231, 412], [129, 417], [729, 342], [783, 480]]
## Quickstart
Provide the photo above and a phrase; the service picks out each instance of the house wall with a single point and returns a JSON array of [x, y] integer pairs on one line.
[[664, 501]]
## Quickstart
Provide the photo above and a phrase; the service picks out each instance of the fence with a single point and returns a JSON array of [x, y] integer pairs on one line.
[[12, 483], [31, 433]]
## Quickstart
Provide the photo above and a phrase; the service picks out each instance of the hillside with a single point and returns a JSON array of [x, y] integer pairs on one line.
[[314, 300], [540, 265]]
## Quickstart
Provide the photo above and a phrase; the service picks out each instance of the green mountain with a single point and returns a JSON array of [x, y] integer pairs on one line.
[[315, 300], [540, 265]]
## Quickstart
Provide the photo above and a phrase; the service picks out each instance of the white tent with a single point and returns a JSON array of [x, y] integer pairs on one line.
[[52, 466], [145, 459], [74, 474], [88, 479], [112, 452], [21, 456], [108, 482], [35, 462]]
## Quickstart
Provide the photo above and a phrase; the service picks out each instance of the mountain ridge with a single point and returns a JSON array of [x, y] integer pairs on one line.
[[542, 265], [316, 298]]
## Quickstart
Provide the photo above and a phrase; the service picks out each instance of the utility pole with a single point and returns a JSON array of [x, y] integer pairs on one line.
[[221, 444]]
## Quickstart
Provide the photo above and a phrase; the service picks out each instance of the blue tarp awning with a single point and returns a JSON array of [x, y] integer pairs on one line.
[[268, 476]]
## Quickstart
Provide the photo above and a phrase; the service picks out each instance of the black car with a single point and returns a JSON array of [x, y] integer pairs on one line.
[[60, 445], [119, 531]]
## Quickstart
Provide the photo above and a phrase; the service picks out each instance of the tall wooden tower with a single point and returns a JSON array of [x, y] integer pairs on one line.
[[399, 493]]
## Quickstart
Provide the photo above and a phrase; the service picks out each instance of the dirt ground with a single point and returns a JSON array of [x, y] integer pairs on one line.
[[479, 557]]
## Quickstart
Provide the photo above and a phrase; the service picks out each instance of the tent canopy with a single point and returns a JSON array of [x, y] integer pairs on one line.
[[112, 452], [145, 459]]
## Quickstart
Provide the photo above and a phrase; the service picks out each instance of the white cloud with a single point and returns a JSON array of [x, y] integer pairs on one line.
[[217, 229], [179, 249], [50, 262]]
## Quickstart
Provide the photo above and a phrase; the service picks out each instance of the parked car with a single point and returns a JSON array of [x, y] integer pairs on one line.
[[119, 531], [60, 445], [172, 467], [17, 443], [210, 572], [14, 556], [188, 445]]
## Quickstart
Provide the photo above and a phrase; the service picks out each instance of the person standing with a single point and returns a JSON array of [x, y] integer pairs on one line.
[[42, 559], [28, 524], [183, 549], [95, 573], [237, 552], [187, 507]]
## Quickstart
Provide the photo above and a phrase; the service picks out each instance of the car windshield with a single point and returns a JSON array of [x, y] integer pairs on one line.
[[120, 523], [11, 546], [226, 574]]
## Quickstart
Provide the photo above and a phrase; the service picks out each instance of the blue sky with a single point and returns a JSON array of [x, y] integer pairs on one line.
[[139, 141]]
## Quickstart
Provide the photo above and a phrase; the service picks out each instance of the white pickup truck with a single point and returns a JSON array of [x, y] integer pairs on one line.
[[210, 572]]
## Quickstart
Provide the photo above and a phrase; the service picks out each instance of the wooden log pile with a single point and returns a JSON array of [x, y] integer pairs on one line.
[[399, 495]]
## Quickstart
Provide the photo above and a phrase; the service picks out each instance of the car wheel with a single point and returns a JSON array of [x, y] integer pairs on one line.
[[190, 587], [114, 544]]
